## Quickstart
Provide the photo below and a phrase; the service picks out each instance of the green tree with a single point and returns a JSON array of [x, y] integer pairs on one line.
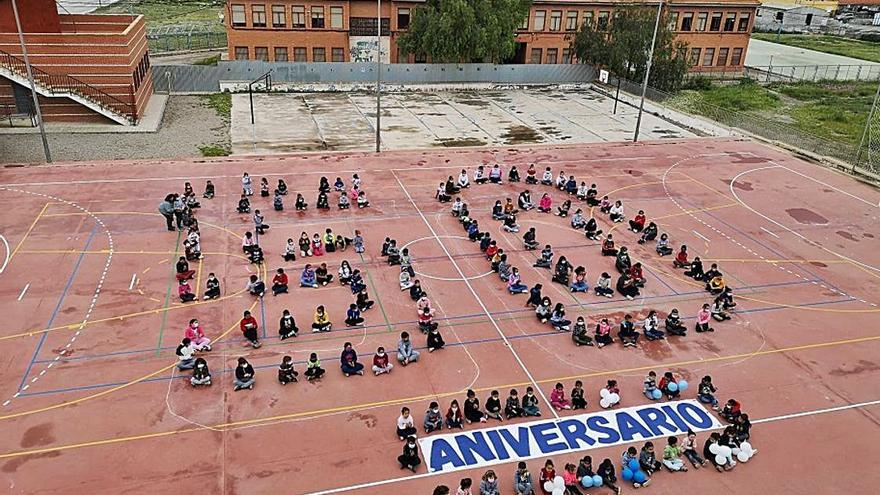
[[622, 47], [453, 31]]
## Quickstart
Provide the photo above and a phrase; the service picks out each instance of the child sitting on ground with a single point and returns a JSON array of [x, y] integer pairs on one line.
[[579, 333], [244, 204], [545, 204], [381, 363], [578, 221], [674, 325], [512, 408], [184, 291], [649, 234], [562, 211], [529, 240], [435, 340], [592, 230], [557, 398], [300, 203], [344, 203], [662, 248], [603, 285], [201, 375], [314, 370], [493, 406], [578, 401], [286, 373], [209, 190], [510, 224], [546, 259]]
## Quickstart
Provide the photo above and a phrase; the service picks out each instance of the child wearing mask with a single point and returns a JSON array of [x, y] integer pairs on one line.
[[286, 373]]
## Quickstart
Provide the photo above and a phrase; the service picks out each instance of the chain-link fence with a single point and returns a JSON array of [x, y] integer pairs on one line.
[[794, 73], [173, 38]]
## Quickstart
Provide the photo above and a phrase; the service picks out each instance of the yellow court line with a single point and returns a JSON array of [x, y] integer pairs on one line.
[[199, 278], [388, 402], [73, 214], [673, 215], [707, 186], [107, 251], [28, 232]]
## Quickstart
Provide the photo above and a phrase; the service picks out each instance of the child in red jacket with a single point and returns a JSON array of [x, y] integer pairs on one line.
[[249, 327]]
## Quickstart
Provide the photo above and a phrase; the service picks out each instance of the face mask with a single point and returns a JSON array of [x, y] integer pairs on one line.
[[381, 354], [412, 445], [201, 365], [491, 480], [435, 411], [454, 408], [195, 325]]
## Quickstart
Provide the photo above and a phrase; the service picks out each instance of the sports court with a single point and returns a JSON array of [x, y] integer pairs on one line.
[[92, 400]]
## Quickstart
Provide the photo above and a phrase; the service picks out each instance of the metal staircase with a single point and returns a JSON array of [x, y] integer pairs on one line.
[[64, 86]]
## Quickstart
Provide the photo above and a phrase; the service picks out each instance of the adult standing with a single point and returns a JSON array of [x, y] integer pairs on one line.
[[166, 208]]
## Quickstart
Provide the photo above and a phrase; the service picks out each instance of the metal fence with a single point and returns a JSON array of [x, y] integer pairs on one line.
[[207, 79], [171, 38], [793, 73]]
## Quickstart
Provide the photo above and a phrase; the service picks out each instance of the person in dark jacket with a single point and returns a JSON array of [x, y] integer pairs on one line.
[[409, 459], [244, 375]]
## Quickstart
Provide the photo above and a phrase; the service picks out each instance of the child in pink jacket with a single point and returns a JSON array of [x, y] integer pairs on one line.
[[196, 335], [703, 320], [545, 204], [557, 398]]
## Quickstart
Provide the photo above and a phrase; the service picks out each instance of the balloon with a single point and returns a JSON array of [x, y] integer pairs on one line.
[[587, 482], [548, 486], [558, 482], [604, 393], [626, 474], [614, 398], [597, 480], [747, 448], [633, 465], [656, 393], [714, 448], [639, 476], [724, 450], [604, 403], [682, 385], [672, 386], [720, 460], [742, 456], [558, 491]]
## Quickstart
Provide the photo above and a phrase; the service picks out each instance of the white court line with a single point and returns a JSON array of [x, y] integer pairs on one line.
[[832, 187], [477, 298], [6, 261], [701, 236], [771, 419], [23, 291], [769, 232], [133, 279]]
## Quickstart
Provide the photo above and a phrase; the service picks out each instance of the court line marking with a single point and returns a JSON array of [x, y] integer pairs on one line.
[[26, 286], [873, 205], [133, 278], [29, 230], [701, 236], [6, 261], [769, 232]]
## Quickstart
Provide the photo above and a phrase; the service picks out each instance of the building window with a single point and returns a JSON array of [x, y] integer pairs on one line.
[[809, 20], [729, 22], [588, 18], [318, 18], [602, 21], [299, 54], [241, 53], [281, 54], [743, 23], [337, 55], [238, 17], [298, 18], [687, 21], [258, 13], [701, 21], [722, 57], [695, 56], [336, 17], [715, 25], [736, 57], [571, 21], [525, 24], [261, 53], [555, 20], [708, 57], [551, 55], [566, 55], [279, 17], [319, 55], [539, 20], [673, 21], [536, 56], [402, 18], [420, 58]]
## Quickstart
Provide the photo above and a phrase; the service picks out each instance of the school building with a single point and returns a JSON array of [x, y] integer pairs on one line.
[[87, 68], [345, 31]]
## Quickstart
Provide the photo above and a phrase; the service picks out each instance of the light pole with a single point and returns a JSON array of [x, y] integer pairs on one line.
[[648, 72], [30, 76], [378, 73]]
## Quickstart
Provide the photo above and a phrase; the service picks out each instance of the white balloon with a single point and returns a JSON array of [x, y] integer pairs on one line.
[[720, 460], [604, 393], [558, 491], [558, 482], [614, 398], [548, 486], [747, 448], [735, 451], [713, 448], [724, 450], [604, 403], [742, 456]]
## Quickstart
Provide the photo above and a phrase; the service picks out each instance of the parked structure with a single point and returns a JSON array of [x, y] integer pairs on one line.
[[790, 18]]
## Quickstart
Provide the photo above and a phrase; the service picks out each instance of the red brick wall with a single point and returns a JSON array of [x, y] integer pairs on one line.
[[37, 16]]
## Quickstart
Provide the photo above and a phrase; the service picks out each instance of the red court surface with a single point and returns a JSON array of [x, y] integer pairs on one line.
[[92, 401]]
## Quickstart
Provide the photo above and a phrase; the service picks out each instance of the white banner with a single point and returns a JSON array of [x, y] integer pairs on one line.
[[487, 446]]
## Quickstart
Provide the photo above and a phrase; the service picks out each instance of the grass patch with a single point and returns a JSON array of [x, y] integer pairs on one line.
[[168, 11], [208, 61], [214, 150], [743, 96], [221, 103], [864, 50]]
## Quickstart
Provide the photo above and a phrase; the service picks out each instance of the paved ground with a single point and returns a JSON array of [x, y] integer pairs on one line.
[[760, 52], [346, 121]]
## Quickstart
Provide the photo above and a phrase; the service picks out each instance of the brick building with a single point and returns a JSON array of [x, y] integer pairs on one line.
[[343, 31], [87, 68]]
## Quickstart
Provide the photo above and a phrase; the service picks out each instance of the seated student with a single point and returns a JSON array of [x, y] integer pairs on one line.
[[441, 195], [300, 203], [742, 428], [192, 246], [513, 174], [524, 201], [561, 179], [514, 283], [557, 398], [472, 412], [580, 280], [278, 201], [305, 245], [256, 255], [581, 192], [731, 410], [435, 340], [353, 316], [287, 326], [562, 211], [381, 364], [547, 177], [502, 266], [578, 221], [711, 273], [696, 269], [244, 205], [530, 403], [545, 204], [529, 241], [623, 261], [662, 248], [185, 355], [605, 205], [628, 334], [343, 203], [212, 287], [562, 273], [495, 174], [534, 296], [322, 276], [571, 186], [363, 301], [322, 202], [512, 408], [314, 370], [255, 286], [669, 378], [450, 187], [492, 249], [592, 230], [706, 392], [716, 285], [608, 248], [209, 190], [650, 385], [286, 373], [405, 424], [317, 245], [184, 291], [498, 211], [279, 282], [473, 231], [648, 459], [544, 311], [546, 259], [637, 275], [433, 418], [201, 375], [456, 207], [183, 271], [338, 185], [603, 333], [718, 312], [577, 393], [406, 353], [426, 320], [416, 292], [681, 258], [406, 262], [615, 213], [531, 174], [649, 234], [454, 416], [289, 250], [344, 272], [703, 317], [627, 287], [673, 324], [324, 185], [463, 180], [603, 286], [349, 361], [510, 224], [558, 320], [652, 327], [485, 241], [362, 200], [282, 187], [493, 406], [244, 375], [480, 175], [637, 224], [726, 297], [321, 322], [592, 195], [308, 278], [509, 207], [393, 253], [264, 187]]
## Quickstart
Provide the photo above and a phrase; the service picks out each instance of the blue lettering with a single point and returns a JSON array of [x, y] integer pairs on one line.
[[654, 419], [629, 427], [694, 415], [476, 445], [575, 432], [671, 414], [543, 438], [442, 454], [500, 449], [598, 424], [520, 443]]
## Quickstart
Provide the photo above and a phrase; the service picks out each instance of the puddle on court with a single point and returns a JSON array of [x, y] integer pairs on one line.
[[847, 235], [805, 216], [740, 184], [520, 134], [456, 143]]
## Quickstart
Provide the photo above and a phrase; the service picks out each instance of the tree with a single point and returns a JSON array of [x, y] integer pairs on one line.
[[465, 30], [622, 47]]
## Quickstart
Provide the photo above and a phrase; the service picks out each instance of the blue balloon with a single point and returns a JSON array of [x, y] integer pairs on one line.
[[656, 393], [639, 476], [626, 474], [633, 465], [682, 385], [587, 481], [672, 386], [597, 480]]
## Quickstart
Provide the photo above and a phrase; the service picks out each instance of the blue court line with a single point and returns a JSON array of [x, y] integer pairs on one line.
[[57, 309], [263, 314], [604, 301], [479, 341]]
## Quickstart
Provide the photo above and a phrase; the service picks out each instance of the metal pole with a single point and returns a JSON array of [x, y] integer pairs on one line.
[[616, 96], [251, 98], [30, 76], [647, 72], [378, 74], [863, 142]]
